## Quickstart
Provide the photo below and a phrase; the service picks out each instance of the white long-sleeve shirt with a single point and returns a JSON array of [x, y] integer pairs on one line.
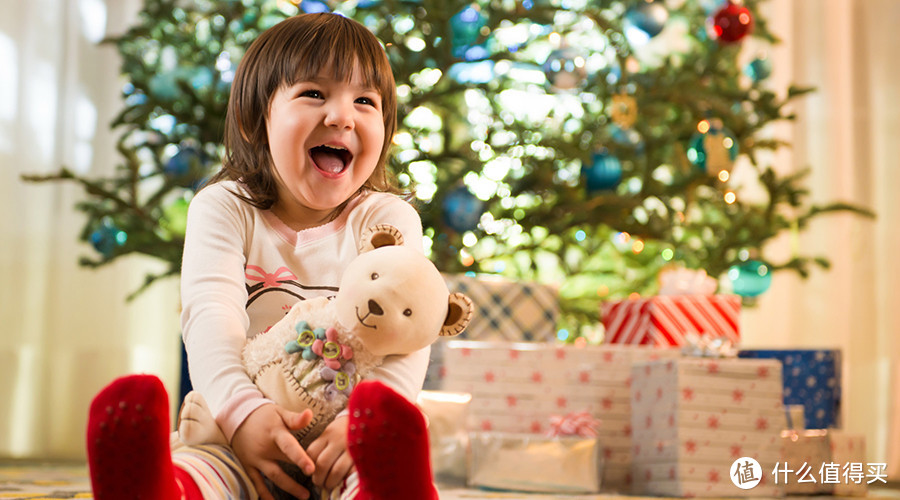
[[243, 269]]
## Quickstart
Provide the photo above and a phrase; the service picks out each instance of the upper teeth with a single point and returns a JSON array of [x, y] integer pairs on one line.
[[339, 148]]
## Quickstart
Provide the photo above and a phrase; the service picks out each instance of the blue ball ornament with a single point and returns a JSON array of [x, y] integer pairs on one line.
[[750, 279], [713, 150], [466, 26], [462, 210], [759, 69], [603, 173], [185, 167], [313, 7], [649, 17], [106, 238]]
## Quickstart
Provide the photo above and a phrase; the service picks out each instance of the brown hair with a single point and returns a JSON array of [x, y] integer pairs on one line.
[[293, 50]]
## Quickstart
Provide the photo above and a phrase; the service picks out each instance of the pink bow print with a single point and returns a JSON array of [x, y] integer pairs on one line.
[[267, 279]]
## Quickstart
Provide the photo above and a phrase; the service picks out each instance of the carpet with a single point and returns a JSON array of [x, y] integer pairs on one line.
[[57, 481]]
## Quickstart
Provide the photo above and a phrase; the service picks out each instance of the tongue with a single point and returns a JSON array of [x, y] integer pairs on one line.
[[327, 161]]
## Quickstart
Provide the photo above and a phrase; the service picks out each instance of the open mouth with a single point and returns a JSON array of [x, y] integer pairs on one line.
[[331, 159]]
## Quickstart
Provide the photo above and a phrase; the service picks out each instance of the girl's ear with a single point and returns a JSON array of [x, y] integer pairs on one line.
[[381, 235], [459, 313]]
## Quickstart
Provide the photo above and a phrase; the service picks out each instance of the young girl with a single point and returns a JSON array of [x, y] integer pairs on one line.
[[310, 120]]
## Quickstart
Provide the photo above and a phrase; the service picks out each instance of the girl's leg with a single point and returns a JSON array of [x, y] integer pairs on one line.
[[128, 443], [388, 441], [132, 453]]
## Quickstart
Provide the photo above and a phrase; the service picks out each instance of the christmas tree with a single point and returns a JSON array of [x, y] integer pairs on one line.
[[587, 144]]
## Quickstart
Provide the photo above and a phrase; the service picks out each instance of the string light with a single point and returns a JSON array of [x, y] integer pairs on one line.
[[703, 126], [638, 246]]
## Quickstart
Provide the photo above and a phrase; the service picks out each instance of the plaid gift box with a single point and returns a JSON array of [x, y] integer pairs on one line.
[[508, 310], [693, 419], [812, 378], [505, 311], [664, 320]]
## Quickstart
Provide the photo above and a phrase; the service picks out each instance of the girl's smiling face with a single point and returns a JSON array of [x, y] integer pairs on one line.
[[325, 138]]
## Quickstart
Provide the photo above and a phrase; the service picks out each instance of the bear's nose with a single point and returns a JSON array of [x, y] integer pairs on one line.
[[374, 308]]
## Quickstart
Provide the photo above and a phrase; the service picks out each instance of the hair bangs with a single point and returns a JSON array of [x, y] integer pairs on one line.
[[342, 48]]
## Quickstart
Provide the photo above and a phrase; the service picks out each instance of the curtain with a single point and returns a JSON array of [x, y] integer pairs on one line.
[[846, 133], [67, 331]]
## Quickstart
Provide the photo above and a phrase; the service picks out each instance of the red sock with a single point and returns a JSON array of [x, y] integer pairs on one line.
[[388, 441], [128, 443]]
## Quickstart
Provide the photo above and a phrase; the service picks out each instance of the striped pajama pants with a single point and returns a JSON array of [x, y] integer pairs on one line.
[[219, 475]]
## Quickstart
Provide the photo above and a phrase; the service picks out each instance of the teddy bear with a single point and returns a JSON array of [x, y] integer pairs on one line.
[[391, 300]]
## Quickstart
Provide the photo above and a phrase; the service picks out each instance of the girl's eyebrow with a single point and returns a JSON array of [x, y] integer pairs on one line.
[[319, 80]]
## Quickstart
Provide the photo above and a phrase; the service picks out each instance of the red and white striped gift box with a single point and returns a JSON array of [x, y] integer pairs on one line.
[[665, 319]]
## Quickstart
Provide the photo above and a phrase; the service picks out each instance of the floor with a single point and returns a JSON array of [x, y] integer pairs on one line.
[[52, 481]]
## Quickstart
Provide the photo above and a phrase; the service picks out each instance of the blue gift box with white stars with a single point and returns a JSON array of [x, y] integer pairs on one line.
[[812, 378]]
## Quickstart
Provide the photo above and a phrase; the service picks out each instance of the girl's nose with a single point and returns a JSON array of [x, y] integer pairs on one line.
[[339, 115]]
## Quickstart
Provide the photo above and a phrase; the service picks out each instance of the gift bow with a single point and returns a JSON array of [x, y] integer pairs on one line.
[[573, 424], [683, 281], [704, 346]]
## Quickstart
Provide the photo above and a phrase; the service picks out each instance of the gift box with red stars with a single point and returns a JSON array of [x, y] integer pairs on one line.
[[693, 419], [520, 387]]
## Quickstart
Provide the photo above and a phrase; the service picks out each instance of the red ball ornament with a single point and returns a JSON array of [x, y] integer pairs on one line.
[[732, 22]]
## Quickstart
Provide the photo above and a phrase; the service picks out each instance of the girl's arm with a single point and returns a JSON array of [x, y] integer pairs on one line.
[[214, 318]]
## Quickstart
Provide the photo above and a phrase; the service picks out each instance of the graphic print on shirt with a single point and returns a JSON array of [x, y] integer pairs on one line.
[[271, 295]]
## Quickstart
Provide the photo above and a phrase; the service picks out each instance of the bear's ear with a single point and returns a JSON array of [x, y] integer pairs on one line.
[[458, 315], [381, 235]]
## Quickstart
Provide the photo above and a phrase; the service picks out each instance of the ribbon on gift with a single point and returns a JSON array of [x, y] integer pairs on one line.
[[705, 346], [681, 281], [580, 424], [275, 279]]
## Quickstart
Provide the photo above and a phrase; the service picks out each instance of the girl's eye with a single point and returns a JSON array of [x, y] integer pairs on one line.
[[374, 276], [315, 94], [366, 101], [407, 312]]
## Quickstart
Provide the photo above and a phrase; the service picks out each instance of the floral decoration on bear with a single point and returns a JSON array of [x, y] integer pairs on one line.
[[341, 380], [306, 339], [331, 350]]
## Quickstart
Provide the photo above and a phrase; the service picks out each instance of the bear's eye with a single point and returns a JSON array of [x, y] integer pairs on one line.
[[374, 276], [407, 312]]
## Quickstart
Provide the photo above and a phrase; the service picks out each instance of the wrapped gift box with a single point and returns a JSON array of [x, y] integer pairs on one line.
[[519, 387], [505, 310], [665, 319], [822, 461], [508, 310], [446, 413], [528, 462], [693, 418], [812, 378]]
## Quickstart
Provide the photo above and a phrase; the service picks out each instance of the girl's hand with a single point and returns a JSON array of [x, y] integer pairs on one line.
[[329, 451], [264, 439]]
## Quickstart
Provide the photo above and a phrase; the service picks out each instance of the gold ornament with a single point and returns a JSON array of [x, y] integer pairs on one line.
[[623, 110]]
